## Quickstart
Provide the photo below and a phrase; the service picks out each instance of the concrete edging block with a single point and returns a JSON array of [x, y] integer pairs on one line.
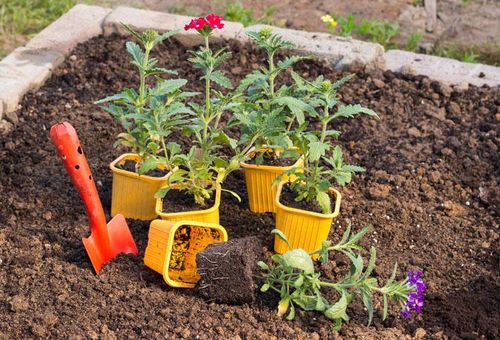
[[445, 70], [27, 68]]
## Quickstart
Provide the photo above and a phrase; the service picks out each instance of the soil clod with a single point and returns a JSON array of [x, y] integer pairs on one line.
[[227, 271]]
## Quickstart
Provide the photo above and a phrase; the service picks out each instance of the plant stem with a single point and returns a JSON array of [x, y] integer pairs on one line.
[[207, 101], [142, 77], [271, 75]]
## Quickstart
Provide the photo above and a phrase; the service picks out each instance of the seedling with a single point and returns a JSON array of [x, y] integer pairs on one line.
[[267, 113], [203, 166], [293, 276], [312, 182], [149, 115]]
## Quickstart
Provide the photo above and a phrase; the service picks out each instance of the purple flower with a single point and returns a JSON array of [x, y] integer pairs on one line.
[[415, 300]]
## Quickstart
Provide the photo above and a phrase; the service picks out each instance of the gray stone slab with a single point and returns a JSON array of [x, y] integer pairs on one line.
[[78, 25], [141, 20], [442, 69], [342, 53], [23, 70], [27, 68]]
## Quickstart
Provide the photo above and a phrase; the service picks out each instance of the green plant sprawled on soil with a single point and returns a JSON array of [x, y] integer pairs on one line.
[[294, 277], [149, 114], [323, 162], [267, 111]]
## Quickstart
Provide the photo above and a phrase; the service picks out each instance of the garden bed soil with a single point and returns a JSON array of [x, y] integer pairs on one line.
[[181, 200], [432, 149], [130, 166], [228, 269]]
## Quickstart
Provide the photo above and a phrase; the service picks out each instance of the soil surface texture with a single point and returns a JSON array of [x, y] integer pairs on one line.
[[288, 196], [227, 270], [430, 191], [131, 166], [271, 159], [178, 200]]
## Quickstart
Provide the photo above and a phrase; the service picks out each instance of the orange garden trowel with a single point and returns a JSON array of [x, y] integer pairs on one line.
[[105, 241]]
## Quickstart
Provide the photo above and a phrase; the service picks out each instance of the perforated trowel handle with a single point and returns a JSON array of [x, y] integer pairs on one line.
[[68, 146]]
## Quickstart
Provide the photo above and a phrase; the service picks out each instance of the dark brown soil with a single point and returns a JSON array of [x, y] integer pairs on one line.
[[129, 165], [288, 197], [181, 200], [227, 270], [271, 159], [432, 175]]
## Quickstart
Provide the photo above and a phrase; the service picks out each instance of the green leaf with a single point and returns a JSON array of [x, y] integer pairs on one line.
[[342, 81], [263, 265], [349, 111], [386, 307], [136, 52], [371, 262], [291, 315], [317, 150], [167, 87], [162, 192], [324, 202], [353, 168], [164, 36], [299, 259], [220, 79], [149, 164], [296, 106], [306, 302], [299, 282], [367, 301], [265, 287], [283, 306], [282, 236], [338, 310], [235, 195]]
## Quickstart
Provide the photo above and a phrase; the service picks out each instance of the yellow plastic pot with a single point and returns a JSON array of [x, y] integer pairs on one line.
[[210, 215], [133, 194], [259, 181], [172, 248], [304, 229]]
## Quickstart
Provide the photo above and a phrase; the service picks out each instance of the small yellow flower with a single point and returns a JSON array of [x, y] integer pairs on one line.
[[329, 20]]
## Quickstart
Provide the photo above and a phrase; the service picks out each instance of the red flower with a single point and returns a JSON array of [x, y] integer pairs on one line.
[[214, 21], [196, 24]]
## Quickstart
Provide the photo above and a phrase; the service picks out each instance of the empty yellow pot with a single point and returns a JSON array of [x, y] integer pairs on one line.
[[259, 181], [172, 248], [133, 194], [210, 215], [304, 229]]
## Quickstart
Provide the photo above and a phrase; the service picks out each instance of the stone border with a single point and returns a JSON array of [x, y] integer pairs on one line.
[[27, 68]]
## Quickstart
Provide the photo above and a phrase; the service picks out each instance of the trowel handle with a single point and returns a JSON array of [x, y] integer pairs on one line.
[[68, 146]]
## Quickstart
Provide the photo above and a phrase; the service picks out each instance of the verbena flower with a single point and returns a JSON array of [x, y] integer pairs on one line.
[[415, 300], [196, 24], [327, 19], [206, 24], [214, 21]]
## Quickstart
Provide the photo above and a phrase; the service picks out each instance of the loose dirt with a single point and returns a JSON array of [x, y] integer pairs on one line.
[[430, 192]]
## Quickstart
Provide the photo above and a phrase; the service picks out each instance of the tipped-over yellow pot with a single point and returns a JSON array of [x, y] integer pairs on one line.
[[172, 248]]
